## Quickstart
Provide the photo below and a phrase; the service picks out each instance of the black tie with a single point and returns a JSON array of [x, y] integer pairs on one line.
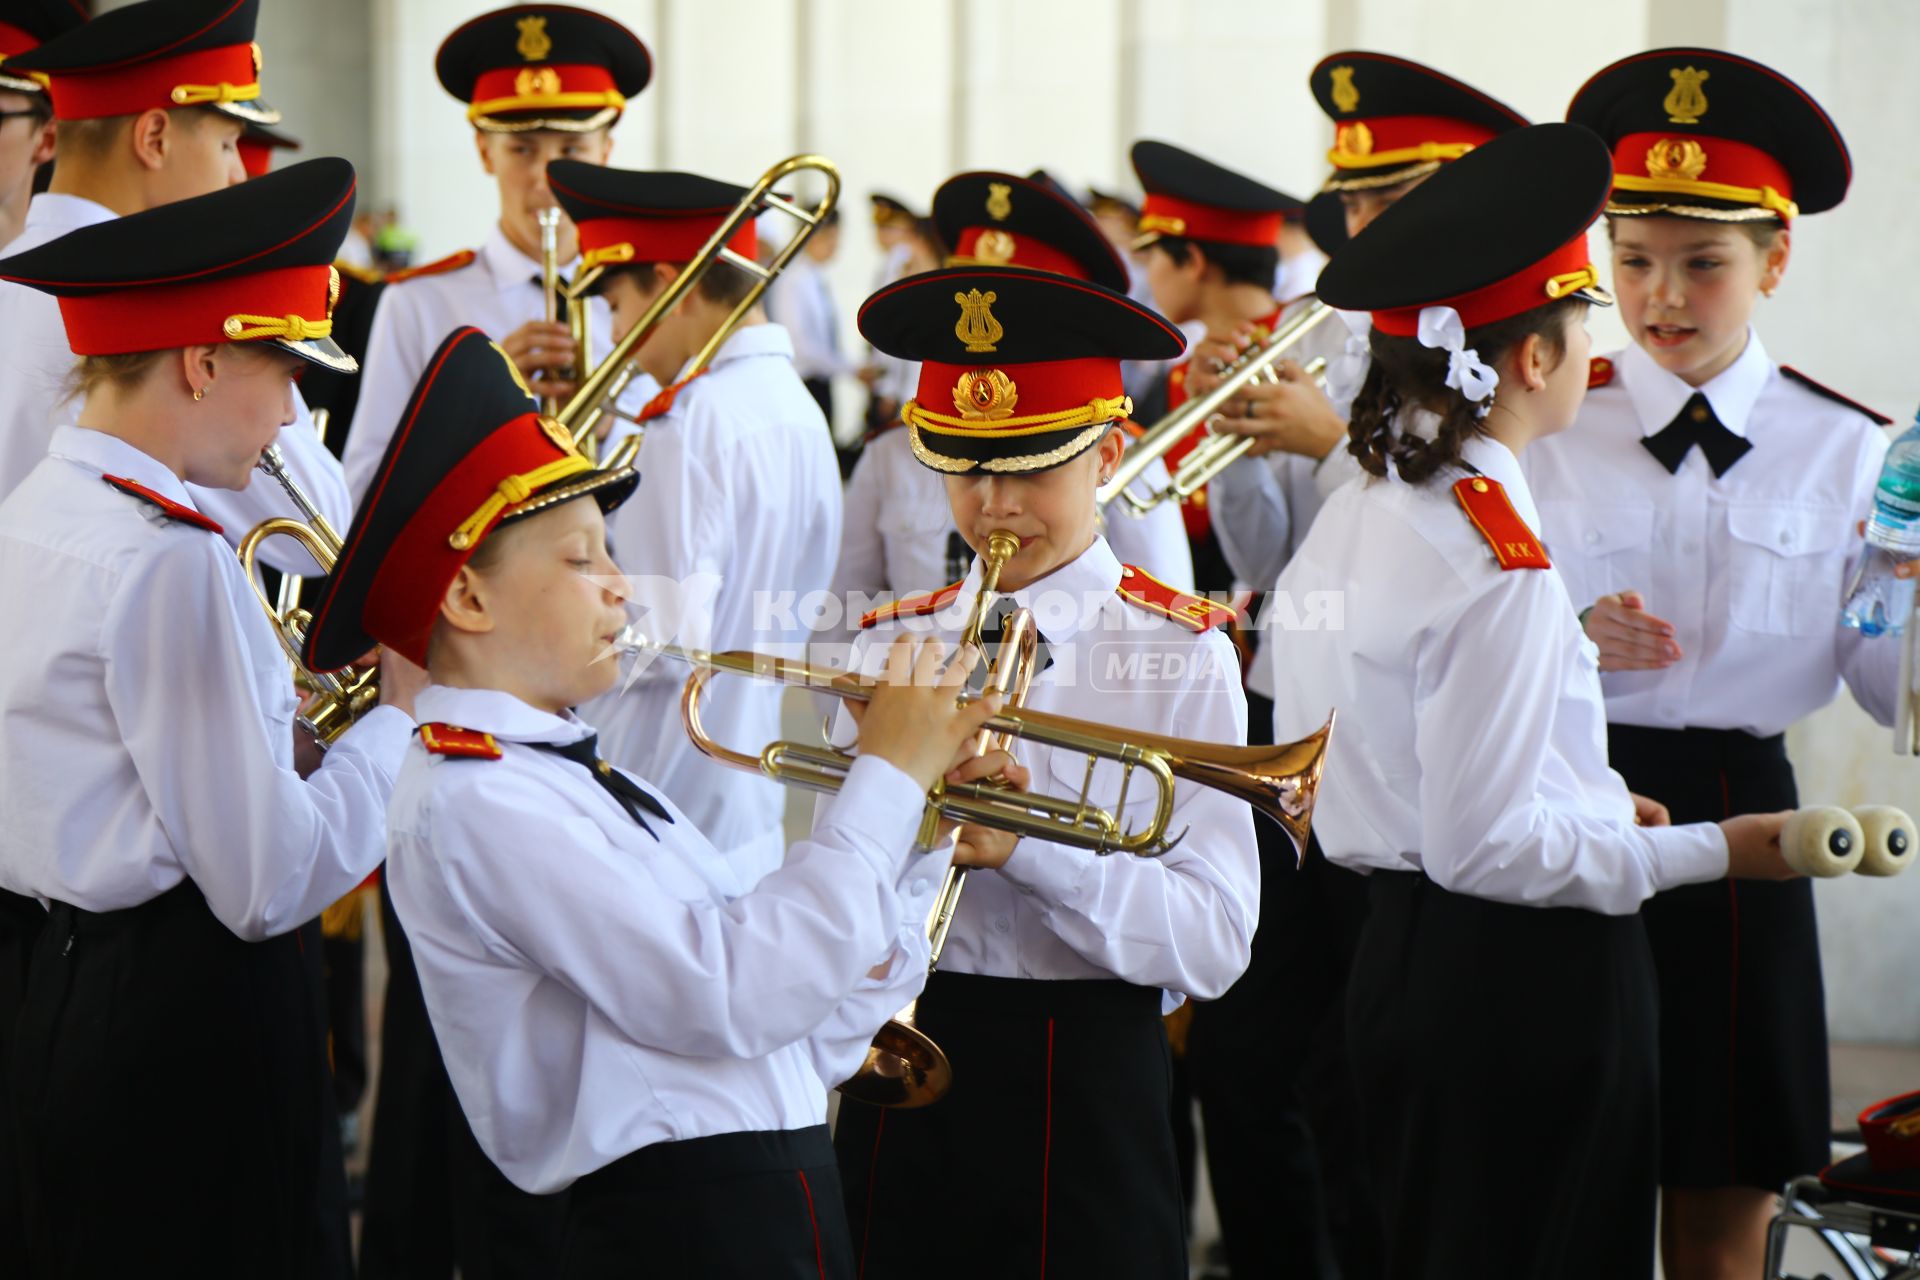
[[991, 631], [1696, 425], [631, 795]]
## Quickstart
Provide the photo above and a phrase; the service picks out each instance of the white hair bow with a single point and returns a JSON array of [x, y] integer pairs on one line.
[[1442, 330], [1349, 369]]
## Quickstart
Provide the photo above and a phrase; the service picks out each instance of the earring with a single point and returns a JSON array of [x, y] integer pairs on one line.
[[199, 394]]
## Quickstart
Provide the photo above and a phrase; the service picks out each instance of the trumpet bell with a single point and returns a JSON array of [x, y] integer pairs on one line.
[[904, 1069]]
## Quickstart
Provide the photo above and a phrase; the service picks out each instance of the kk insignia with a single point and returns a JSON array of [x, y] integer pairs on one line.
[[1672, 158], [985, 395]]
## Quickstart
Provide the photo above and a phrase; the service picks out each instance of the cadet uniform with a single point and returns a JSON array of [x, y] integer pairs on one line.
[[169, 1070], [528, 67], [1060, 963], [740, 510], [621, 1015], [125, 62], [900, 538], [1502, 969], [1743, 544]]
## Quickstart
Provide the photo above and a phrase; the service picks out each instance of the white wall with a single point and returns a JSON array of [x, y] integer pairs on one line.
[[902, 93]]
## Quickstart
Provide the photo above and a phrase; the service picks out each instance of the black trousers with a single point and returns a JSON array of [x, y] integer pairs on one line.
[[1506, 1063], [1744, 1093], [21, 920], [1268, 1062], [736, 1206], [171, 1091], [434, 1200], [1052, 1155]]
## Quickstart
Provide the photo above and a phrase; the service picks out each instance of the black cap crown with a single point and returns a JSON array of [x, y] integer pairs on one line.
[[158, 53], [995, 218]]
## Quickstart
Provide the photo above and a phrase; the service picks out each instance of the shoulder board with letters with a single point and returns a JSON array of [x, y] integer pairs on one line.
[[452, 262], [1599, 373], [1828, 393], [913, 606], [1492, 513], [1144, 591], [452, 740], [168, 507], [1177, 386]]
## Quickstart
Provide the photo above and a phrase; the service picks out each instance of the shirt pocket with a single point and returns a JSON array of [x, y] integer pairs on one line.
[[1600, 548], [1782, 572]]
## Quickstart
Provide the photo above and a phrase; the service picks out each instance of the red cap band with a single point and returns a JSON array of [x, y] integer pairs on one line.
[[160, 82], [500, 88], [1015, 250], [1692, 157], [1043, 387], [158, 317], [1520, 292], [1388, 140], [13, 40], [1172, 216], [611, 241]]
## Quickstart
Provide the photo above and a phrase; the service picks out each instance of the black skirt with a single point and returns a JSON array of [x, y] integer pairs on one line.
[[1051, 1157], [1743, 1020], [1505, 1062], [735, 1206], [173, 1104]]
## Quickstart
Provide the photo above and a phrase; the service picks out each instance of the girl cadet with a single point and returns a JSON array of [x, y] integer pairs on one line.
[[169, 1070], [621, 1014], [1049, 995], [1711, 579], [1501, 1009]]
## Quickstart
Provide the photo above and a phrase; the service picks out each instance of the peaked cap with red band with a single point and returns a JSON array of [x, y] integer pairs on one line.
[[257, 145], [1697, 133], [994, 219], [28, 24], [1514, 216], [628, 215], [243, 264], [891, 211], [471, 452], [1019, 369], [1396, 120], [1191, 197], [543, 66], [158, 54]]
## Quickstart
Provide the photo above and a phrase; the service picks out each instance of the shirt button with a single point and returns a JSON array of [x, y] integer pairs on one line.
[[1786, 537], [1593, 536], [1701, 413], [918, 888], [1002, 924], [1126, 573]]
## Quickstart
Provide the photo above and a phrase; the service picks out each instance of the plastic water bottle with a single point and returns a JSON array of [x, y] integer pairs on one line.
[[1877, 603]]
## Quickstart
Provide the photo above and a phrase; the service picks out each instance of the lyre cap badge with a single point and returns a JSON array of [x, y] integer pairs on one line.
[[977, 327], [1686, 102], [985, 395], [1676, 158], [536, 82], [994, 246], [999, 201], [534, 43], [1345, 95]]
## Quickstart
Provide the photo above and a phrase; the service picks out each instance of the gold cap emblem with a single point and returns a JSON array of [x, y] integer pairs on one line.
[[1672, 158], [534, 44], [333, 290], [1345, 95], [994, 246], [1686, 102], [536, 82], [999, 201], [1353, 139], [985, 395], [558, 434], [519, 379], [977, 327]]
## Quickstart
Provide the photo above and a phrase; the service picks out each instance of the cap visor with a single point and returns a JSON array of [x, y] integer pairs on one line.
[[324, 352], [253, 112]]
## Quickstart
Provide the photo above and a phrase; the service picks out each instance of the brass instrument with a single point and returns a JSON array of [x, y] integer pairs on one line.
[[601, 390], [550, 286], [1219, 450], [335, 699]]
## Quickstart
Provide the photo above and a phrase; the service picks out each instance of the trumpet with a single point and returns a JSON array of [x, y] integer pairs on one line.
[[598, 394], [1218, 451], [550, 286], [335, 699]]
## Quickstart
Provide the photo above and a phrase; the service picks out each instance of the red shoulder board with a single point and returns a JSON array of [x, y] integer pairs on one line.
[[354, 271], [663, 401], [1599, 373], [452, 262], [1177, 386], [1133, 429], [1493, 515], [452, 740], [1140, 588], [168, 507], [914, 606], [1828, 393]]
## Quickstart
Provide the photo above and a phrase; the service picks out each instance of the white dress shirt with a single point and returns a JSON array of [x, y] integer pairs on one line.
[[1472, 741], [35, 362], [900, 536], [801, 301], [597, 989], [731, 531], [496, 293], [1182, 921], [148, 713], [1749, 567]]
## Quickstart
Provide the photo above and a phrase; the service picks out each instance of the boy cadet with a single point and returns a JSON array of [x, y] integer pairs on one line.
[[27, 144]]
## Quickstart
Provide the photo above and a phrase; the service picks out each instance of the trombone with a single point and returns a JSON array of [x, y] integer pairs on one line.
[[1217, 451], [335, 699], [599, 393]]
